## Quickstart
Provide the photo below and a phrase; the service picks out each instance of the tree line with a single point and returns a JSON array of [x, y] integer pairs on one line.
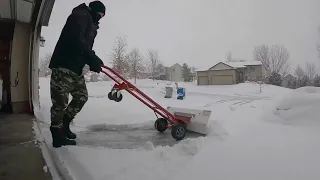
[[130, 64], [276, 66], [133, 64], [274, 59]]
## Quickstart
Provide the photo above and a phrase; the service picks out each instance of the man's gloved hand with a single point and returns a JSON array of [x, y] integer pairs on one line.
[[96, 64], [101, 62]]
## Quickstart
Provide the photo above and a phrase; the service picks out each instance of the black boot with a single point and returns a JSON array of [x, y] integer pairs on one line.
[[66, 128], [59, 139]]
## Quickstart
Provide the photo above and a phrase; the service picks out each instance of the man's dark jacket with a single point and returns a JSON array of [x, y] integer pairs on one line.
[[74, 47]]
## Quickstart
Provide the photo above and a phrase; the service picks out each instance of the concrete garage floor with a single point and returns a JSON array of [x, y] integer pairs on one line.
[[20, 157]]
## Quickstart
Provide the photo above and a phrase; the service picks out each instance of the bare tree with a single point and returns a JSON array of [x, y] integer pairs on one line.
[[44, 64], [274, 59], [119, 59], [193, 72], [311, 72], [229, 56], [94, 77], [318, 45], [135, 63], [279, 59], [153, 63], [299, 72], [261, 53]]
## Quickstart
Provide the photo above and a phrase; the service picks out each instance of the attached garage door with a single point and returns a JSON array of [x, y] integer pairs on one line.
[[221, 80], [203, 80]]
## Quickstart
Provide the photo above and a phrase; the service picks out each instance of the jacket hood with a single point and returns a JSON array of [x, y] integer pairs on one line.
[[82, 7]]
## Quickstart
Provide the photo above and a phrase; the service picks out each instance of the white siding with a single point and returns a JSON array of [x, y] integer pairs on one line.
[[176, 73]]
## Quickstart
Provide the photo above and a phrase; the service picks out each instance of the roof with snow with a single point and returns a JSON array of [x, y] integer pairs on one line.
[[234, 65], [243, 64]]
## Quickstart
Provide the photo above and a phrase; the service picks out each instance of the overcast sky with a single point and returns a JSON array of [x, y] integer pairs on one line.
[[200, 32]]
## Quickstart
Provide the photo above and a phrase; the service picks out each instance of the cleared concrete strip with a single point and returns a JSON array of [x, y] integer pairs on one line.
[[20, 155]]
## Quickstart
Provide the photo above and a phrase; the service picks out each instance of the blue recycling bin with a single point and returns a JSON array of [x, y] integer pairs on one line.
[[181, 93]]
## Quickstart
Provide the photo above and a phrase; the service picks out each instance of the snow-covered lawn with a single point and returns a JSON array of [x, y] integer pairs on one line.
[[253, 135]]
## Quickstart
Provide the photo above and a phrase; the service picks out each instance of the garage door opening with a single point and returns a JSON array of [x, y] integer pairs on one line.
[[6, 37], [222, 80]]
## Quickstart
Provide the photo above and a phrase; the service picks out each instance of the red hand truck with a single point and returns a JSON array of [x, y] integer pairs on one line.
[[168, 120]]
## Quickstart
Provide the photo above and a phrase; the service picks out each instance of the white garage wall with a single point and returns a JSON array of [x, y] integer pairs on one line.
[[19, 64]]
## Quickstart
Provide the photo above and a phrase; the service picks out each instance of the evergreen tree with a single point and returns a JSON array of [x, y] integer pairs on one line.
[[186, 73], [275, 79]]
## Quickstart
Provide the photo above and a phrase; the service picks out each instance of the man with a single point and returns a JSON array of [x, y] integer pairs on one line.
[[72, 52]]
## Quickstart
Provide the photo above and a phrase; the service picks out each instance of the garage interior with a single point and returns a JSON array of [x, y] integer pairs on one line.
[[21, 22], [6, 37]]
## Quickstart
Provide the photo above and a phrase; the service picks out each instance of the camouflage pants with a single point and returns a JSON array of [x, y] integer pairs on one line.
[[64, 82]]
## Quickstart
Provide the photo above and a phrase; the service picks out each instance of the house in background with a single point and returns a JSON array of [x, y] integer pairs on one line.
[[175, 73], [162, 72], [287, 80], [227, 73], [172, 73]]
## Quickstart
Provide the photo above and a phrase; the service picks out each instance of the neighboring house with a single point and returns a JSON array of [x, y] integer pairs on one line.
[[230, 73], [143, 75], [173, 73], [287, 80], [162, 72]]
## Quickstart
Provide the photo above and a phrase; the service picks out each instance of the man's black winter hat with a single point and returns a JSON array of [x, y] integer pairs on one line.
[[97, 6]]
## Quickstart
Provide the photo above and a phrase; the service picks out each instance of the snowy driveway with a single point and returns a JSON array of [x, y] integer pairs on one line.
[[117, 140], [131, 136], [116, 130]]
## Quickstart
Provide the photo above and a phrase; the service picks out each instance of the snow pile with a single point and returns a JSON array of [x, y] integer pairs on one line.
[[45, 169], [300, 107]]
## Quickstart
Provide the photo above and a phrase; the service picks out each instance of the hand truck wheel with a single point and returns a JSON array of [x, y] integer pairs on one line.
[[116, 98], [110, 96], [161, 124], [178, 131]]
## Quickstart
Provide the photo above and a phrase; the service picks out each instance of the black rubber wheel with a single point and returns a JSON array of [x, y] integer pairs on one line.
[[110, 96], [178, 131], [116, 98], [161, 124]]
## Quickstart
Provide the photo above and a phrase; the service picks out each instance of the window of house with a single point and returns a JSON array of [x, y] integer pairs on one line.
[[173, 69]]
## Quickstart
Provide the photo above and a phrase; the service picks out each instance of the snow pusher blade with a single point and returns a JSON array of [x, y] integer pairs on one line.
[[197, 120]]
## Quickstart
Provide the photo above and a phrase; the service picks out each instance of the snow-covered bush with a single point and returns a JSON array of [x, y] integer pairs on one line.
[[316, 81]]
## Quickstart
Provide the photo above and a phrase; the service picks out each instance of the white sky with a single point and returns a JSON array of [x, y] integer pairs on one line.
[[200, 32]]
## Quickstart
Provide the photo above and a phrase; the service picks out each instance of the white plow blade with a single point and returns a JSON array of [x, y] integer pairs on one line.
[[198, 118]]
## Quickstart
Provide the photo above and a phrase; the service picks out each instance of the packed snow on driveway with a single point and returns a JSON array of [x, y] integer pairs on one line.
[[268, 134]]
